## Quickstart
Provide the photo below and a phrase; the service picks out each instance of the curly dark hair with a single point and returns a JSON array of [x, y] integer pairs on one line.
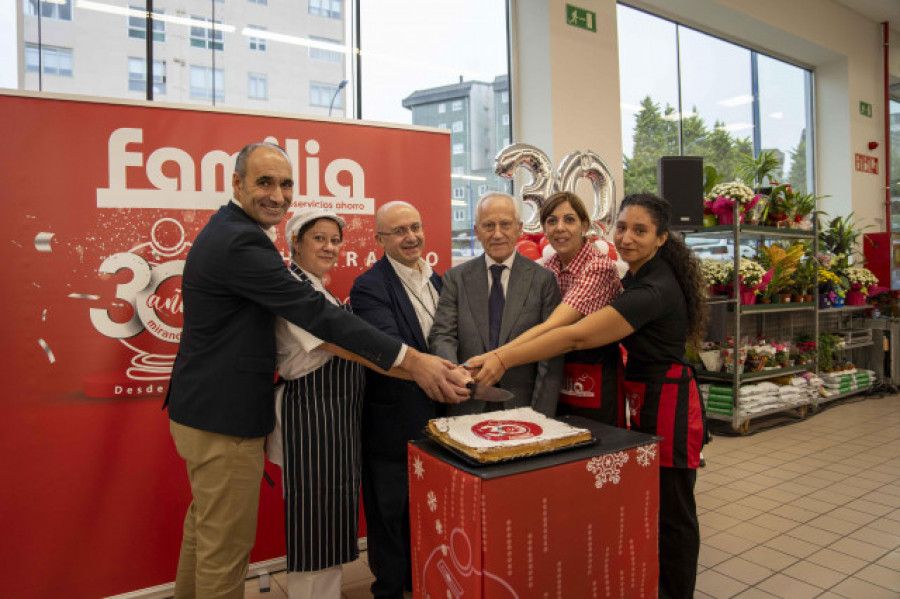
[[683, 262]]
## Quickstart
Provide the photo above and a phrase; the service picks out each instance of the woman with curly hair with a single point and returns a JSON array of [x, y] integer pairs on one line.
[[660, 311]]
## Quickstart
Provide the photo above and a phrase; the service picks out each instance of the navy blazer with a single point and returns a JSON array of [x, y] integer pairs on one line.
[[235, 282], [394, 411]]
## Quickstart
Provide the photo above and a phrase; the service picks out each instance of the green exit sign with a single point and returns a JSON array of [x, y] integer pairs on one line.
[[579, 17], [865, 109]]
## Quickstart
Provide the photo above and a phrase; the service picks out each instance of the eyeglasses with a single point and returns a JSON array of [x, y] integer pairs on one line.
[[491, 226], [414, 228]]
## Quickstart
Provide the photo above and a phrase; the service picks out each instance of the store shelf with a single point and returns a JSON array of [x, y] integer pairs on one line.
[[762, 375], [752, 231], [774, 308], [822, 399], [844, 308]]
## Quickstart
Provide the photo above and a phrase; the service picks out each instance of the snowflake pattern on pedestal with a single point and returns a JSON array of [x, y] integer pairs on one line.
[[418, 467], [438, 527], [607, 468], [432, 501], [646, 454]]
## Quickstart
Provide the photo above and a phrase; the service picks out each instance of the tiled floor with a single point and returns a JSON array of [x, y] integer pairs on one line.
[[811, 509]]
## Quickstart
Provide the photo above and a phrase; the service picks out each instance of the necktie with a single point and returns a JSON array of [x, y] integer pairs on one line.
[[495, 304]]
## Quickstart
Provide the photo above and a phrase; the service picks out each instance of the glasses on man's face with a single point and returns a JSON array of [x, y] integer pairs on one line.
[[490, 226], [414, 228]]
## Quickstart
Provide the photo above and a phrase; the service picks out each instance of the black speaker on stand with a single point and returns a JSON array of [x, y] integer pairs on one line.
[[680, 181]]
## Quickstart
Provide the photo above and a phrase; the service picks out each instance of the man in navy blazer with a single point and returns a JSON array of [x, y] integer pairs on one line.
[[398, 296], [220, 398]]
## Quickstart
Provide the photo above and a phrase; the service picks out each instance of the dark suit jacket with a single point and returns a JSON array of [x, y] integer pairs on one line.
[[461, 329], [394, 411], [235, 283]]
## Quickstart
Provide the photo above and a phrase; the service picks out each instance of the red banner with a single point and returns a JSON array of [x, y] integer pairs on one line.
[[102, 202]]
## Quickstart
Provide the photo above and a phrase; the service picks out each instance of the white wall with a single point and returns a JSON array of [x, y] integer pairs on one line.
[[581, 107]]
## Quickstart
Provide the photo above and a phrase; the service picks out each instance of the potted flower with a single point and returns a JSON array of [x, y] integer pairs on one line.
[[723, 198], [782, 264], [751, 279], [716, 273], [860, 280], [828, 283], [805, 346], [805, 278]]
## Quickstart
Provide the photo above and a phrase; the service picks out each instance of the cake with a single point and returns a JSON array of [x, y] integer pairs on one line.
[[505, 434]]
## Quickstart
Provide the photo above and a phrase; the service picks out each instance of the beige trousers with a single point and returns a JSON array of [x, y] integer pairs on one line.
[[320, 584], [220, 525]]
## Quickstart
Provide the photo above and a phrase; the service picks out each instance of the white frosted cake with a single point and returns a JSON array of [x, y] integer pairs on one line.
[[505, 434]]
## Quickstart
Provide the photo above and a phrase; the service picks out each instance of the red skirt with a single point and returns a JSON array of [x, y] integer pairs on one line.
[[669, 406]]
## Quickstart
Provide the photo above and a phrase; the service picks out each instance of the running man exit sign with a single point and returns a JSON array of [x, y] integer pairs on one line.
[[580, 17]]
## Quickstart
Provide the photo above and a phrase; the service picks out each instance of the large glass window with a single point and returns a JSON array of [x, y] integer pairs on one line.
[[448, 81], [258, 86], [325, 8], [687, 93], [325, 94], [256, 42]]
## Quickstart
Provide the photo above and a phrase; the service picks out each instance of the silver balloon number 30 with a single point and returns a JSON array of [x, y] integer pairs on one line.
[[581, 164]]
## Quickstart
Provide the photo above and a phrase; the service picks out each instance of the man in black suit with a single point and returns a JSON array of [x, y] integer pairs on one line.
[[220, 398], [398, 296]]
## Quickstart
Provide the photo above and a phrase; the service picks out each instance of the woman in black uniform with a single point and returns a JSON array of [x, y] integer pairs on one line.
[[661, 309]]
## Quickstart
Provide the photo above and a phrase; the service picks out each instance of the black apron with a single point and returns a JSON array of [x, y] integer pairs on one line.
[[320, 416]]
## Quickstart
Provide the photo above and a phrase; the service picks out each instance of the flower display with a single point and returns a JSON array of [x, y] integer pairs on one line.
[[736, 191], [828, 279], [860, 279], [751, 273], [723, 197], [716, 272]]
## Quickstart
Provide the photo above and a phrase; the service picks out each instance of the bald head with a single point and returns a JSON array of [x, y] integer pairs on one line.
[[400, 232]]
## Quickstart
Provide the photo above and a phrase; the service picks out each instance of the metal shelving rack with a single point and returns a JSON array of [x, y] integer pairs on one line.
[[738, 233]]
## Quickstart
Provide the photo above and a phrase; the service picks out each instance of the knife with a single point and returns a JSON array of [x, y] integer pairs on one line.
[[488, 393]]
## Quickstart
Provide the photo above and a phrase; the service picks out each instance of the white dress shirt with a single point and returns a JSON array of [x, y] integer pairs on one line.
[[504, 277], [421, 293]]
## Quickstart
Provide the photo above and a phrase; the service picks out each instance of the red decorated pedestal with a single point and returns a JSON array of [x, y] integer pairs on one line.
[[578, 523]]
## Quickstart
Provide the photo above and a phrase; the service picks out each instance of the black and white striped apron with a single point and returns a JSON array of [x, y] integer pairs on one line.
[[320, 420]]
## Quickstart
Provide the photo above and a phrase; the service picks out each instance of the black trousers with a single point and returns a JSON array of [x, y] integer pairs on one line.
[[679, 533], [385, 489]]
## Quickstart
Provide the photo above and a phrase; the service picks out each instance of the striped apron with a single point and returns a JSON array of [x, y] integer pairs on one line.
[[320, 418]]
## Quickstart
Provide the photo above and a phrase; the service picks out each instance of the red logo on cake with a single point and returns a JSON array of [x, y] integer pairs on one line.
[[506, 430]]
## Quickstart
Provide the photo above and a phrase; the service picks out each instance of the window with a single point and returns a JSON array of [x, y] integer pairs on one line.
[[457, 126], [459, 192], [204, 87], [263, 2], [320, 94], [505, 119], [458, 149], [324, 54], [258, 87], [459, 214], [137, 75], [482, 189], [206, 36], [257, 44], [137, 24], [458, 170], [325, 8], [504, 97], [442, 108], [457, 105], [55, 60], [442, 125], [684, 92], [50, 9]]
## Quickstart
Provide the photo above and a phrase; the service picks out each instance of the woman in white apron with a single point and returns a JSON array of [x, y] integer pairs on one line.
[[318, 411]]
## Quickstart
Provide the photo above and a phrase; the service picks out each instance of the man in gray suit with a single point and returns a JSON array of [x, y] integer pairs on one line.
[[492, 299]]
